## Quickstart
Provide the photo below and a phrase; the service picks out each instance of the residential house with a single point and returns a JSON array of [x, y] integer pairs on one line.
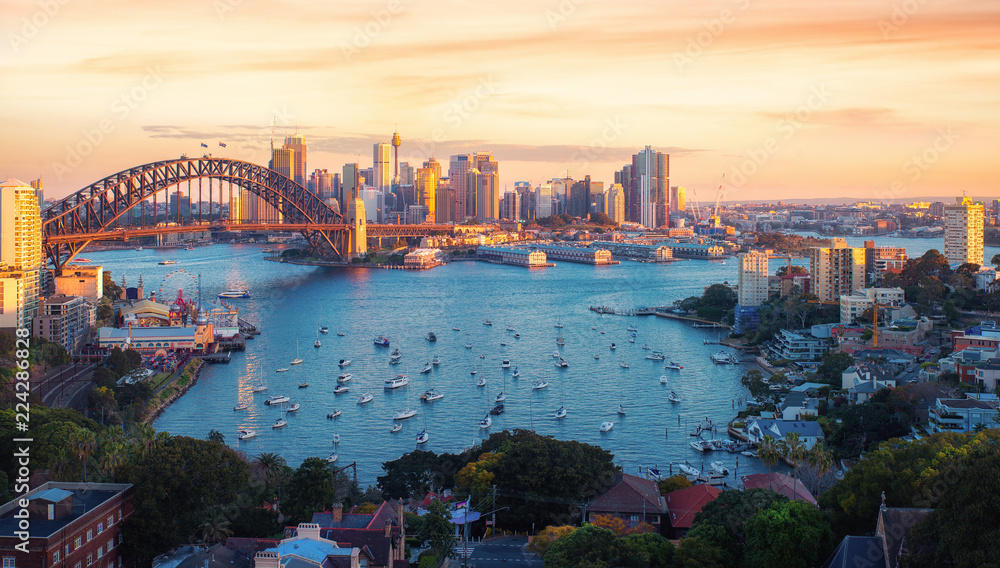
[[887, 548], [796, 405], [988, 375], [632, 499], [963, 414], [307, 549], [684, 504], [798, 347], [809, 431], [779, 482], [382, 533]]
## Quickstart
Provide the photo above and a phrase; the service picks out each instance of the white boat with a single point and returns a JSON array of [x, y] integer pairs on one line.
[[324, 329], [700, 446], [429, 336], [559, 324], [234, 293], [674, 397], [455, 329], [623, 365], [607, 426], [259, 387], [655, 356], [366, 398], [515, 373], [593, 328], [341, 389], [561, 412], [560, 341], [404, 414], [423, 437], [720, 468], [688, 470], [344, 378], [481, 382], [247, 434], [562, 364], [381, 341], [631, 328], [431, 395], [487, 322], [281, 370], [721, 358], [621, 410], [517, 336], [276, 399], [317, 343], [596, 356], [165, 262], [468, 346], [556, 355], [333, 458], [663, 379], [500, 397], [486, 422], [510, 328], [613, 346], [395, 428], [505, 364], [396, 382], [436, 360], [294, 407], [296, 360], [279, 423], [749, 453], [672, 365], [473, 372], [334, 414], [341, 334], [241, 406], [427, 369], [539, 385], [336, 438]]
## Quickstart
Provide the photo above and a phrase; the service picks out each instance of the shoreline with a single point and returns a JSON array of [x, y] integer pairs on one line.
[[153, 415]]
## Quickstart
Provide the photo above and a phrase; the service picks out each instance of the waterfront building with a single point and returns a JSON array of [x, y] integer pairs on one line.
[[296, 143], [962, 414], [382, 533], [595, 256], [649, 204], [21, 255], [86, 281], [963, 232], [513, 256], [64, 320], [636, 251], [837, 270], [798, 347], [752, 289], [154, 340], [69, 524], [706, 251], [809, 432], [422, 258]]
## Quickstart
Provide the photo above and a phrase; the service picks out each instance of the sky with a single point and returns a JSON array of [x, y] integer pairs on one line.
[[767, 99]]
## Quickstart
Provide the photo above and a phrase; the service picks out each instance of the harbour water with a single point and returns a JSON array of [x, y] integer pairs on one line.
[[290, 303]]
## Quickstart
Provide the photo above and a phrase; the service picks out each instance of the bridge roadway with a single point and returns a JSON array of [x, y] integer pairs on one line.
[[124, 234]]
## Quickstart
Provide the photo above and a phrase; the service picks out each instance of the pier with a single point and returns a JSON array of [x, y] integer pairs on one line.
[[605, 310], [216, 357], [247, 329]]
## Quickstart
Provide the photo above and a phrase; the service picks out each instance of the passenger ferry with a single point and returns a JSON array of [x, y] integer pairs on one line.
[[235, 293], [165, 262]]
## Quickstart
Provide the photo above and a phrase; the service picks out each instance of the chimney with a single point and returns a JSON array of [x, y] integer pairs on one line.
[[338, 512], [308, 530], [388, 528]]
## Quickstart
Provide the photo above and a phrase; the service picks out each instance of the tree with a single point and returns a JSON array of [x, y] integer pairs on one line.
[[753, 380], [832, 368], [310, 489], [791, 534], [646, 549], [111, 290], [477, 477], [673, 484], [730, 511], [272, 466], [610, 522], [6, 344], [544, 539], [413, 473], [995, 261], [784, 270], [588, 546], [214, 527], [83, 444], [794, 450], [695, 552], [716, 301], [105, 312], [216, 436], [769, 452], [436, 529]]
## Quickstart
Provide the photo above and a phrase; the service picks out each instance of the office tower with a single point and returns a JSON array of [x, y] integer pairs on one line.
[[510, 206], [560, 193], [752, 278], [578, 204], [283, 162], [616, 203], [436, 166], [350, 183], [235, 206], [381, 167], [837, 270], [457, 171], [527, 198], [179, 208], [963, 232], [543, 201], [444, 202], [487, 193], [426, 190], [678, 198], [321, 183], [624, 178], [406, 173], [596, 195], [21, 259], [39, 188], [651, 177], [296, 143]]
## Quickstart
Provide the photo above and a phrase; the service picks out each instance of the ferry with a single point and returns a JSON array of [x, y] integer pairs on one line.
[[234, 293], [81, 259], [165, 262]]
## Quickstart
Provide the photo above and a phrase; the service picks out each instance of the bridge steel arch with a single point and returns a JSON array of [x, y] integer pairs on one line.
[[96, 208]]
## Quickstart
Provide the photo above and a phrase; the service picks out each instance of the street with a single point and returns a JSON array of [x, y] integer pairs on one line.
[[500, 552]]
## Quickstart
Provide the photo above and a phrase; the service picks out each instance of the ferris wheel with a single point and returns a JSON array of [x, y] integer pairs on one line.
[[178, 286]]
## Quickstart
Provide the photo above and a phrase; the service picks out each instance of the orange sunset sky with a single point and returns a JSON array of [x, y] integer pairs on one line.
[[865, 99]]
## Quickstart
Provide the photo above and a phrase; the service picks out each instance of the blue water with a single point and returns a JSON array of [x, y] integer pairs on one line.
[[291, 302]]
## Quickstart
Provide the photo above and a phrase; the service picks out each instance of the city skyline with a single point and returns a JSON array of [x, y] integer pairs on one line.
[[887, 101]]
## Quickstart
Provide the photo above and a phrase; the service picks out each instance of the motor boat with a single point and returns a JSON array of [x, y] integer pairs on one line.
[[497, 410], [456, 329], [241, 406], [395, 428], [481, 382], [279, 423], [722, 358], [294, 407], [485, 422], [562, 364], [396, 382], [558, 325], [336, 438], [720, 468], [646, 347], [281, 370], [510, 328], [436, 360], [166, 262], [431, 395], [593, 328], [663, 379], [473, 372], [334, 414], [341, 389], [80, 259], [394, 361], [427, 369], [404, 414], [487, 322], [688, 470], [539, 385], [672, 365], [333, 458], [631, 328], [247, 434], [749, 453], [515, 373], [430, 336], [381, 341], [560, 341], [607, 426], [655, 356], [344, 378], [324, 329], [613, 347], [341, 334], [517, 336], [597, 357], [482, 356], [505, 364], [561, 412], [701, 446], [674, 397], [366, 398], [556, 354], [623, 365], [423, 437], [621, 410], [500, 397], [502, 344], [276, 399], [303, 385], [234, 294], [468, 346]]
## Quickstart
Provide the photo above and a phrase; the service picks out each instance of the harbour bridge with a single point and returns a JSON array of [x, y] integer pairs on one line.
[[106, 209]]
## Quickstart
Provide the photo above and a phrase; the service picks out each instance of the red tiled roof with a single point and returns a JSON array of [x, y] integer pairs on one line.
[[631, 494], [684, 504], [778, 482]]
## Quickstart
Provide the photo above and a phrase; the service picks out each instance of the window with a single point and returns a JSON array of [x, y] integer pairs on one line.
[[634, 518], [77, 544], [111, 544], [55, 557], [90, 535], [90, 559], [78, 565], [111, 520], [8, 562], [120, 537], [119, 514], [100, 552], [100, 528], [67, 550]]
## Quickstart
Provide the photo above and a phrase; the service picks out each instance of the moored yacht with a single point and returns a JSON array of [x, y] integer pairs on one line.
[[561, 412], [234, 293], [366, 398], [423, 437], [673, 365], [397, 382], [607, 426], [276, 399], [247, 434]]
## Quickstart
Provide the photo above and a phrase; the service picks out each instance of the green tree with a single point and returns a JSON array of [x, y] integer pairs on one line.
[[105, 312], [6, 344], [310, 489], [794, 450], [730, 511], [716, 301], [112, 291], [645, 549], [832, 368], [753, 380], [214, 527], [83, 443], [673, 484], [121, 362], [783, 270], [588, 546], [769, 451], [216, 436], [792, 534], [272, 466], [412, 474], [436, 529], [695, 552]]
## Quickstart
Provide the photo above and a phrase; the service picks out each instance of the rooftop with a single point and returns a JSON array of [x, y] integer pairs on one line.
[[86, 498], [779, 482], [684, 504], [630, 494]]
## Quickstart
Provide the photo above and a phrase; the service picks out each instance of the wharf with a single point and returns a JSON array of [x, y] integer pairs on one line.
[[247, 329], [704, 322], [224, 357], [605, 310]]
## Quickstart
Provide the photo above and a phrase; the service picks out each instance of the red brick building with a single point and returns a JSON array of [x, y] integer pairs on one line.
[[71, 525], [684, 504], [632, 499]]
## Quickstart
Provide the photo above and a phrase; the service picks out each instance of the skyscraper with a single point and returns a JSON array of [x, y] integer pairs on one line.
[[350, 184], [458, 168], [678, 198], [651, 178], [283, 162], [543, 201], [444, 202], [752, 278], [382, 167], [616, 203], [426, 189], [510, 206], [21, 259], [578, 204], [396, 143], [297, 144], [836, 271], [963, 231]]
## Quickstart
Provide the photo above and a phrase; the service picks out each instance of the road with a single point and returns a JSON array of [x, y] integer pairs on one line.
[[502, 552]]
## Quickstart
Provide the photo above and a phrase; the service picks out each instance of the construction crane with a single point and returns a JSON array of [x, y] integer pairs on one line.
[[875, 309], [697, 209], [714, 221]]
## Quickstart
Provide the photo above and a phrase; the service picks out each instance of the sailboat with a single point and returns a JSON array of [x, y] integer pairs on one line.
[[422, 437], [408, 413], [296, 360], [561, 412], [317, 343], [486, 421], [559, 324], [280, 422]]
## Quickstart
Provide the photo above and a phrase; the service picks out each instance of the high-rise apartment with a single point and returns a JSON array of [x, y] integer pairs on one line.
[[297, 144], [510, 206], [837, 270], [283, 162], [444, 202], [963, 231], [543, 201], [752, 278], [21, 259]]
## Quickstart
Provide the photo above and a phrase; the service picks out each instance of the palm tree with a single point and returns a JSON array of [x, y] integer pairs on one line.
[[214, 527], [769, 453], [795, 450], [61, 464], [216, 436], [83, 443], [273, 465], [112, 458], [820, 458]]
